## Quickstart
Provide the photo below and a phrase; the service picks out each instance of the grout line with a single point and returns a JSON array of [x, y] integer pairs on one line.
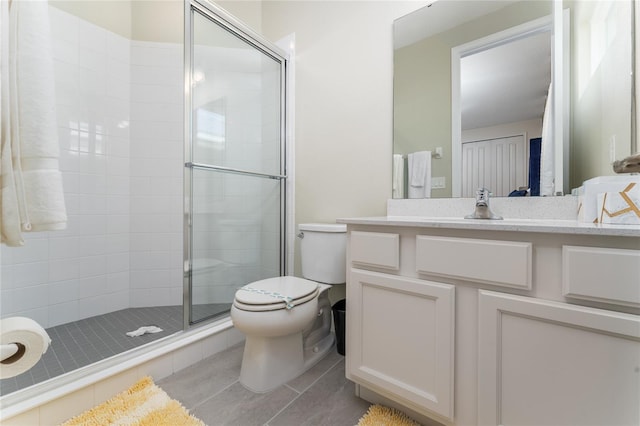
[[213, 396]]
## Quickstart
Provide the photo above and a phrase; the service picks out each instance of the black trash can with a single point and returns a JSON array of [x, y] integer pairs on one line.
[[339, 318]]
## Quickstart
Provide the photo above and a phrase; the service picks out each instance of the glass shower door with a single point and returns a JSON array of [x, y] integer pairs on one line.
[[234, 165]]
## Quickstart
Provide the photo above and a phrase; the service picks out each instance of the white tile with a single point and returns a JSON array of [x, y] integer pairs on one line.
[[92, 266], [29, 274], [92, 184], [87, 225], [64, 269], [34, 250], [91, 59], [62, 291], [118, 262], [61, 409], [28, 418], [186, 356], [156, 112], [62, 313], [70, 182], [118, 224], [113, 385], [7, 302], [119, 282], [92, 82], [140, 185], [163, 75], [158, 368], [65, 51], [155, 93], [27, 298], [117, 243], [118, 147], [158, 297], [39, 315], [118, 166], [118, 204], [91, 287], [92, 306], [156, 131], [92, 204], [92, 245], [150, 279], [119, 185]]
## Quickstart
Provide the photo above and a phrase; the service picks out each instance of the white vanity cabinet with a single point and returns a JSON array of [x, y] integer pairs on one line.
[[479, 327], [401, 330], [548, 363]]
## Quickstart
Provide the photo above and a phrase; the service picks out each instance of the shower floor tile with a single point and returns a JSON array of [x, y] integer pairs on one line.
[[83, 342]]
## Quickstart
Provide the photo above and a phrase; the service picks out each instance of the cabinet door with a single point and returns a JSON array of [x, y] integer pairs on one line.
[[550, 363], [400, 339]]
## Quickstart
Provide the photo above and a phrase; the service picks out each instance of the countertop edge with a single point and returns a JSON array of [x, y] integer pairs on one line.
[[516, 225]]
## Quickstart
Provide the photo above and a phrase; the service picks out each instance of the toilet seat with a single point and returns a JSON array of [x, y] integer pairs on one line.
[[275, 293]]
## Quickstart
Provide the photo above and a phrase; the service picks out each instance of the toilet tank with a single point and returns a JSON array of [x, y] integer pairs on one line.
[[323, 249]]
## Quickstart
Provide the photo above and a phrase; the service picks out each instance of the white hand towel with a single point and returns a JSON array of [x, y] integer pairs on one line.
[[398, 176], [419, 174], [32, 144]]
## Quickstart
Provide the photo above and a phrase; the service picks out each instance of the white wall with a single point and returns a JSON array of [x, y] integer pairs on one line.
[[343, 127]]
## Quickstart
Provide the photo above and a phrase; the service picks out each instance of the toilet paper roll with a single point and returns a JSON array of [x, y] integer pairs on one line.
[[32, 341]]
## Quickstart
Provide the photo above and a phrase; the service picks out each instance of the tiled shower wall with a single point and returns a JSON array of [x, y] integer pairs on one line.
[[119, 107]]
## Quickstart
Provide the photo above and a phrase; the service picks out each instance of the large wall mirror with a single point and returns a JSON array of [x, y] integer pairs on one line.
[[486, 95]]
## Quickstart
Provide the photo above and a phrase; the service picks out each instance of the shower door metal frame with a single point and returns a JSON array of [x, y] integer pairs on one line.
[[237, 28]]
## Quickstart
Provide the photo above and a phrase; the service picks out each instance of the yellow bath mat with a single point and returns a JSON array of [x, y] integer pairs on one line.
[[142, 404], [379, 415]]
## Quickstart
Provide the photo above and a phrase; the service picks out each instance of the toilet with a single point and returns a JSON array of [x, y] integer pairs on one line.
[[287, 320]]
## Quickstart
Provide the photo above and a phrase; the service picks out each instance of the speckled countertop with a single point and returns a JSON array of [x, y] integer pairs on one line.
[[526, 214]]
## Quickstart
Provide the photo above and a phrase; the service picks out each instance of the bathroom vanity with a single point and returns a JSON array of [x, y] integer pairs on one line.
[[495, 322]]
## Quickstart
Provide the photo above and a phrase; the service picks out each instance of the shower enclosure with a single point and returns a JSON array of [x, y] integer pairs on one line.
[[235, 168], [172, 148]]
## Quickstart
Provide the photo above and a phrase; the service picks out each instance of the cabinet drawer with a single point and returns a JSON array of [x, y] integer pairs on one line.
[[503, 263], [378, 249], [601, 274]]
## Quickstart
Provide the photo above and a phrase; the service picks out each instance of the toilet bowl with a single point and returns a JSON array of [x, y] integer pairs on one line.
[[287, 320]]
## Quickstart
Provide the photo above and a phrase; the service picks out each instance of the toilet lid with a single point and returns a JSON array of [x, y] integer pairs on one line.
[[275, 293]]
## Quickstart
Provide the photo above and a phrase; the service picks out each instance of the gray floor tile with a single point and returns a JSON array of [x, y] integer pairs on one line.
[[302, 382], [329, 402], [201, 381], [237, 406]]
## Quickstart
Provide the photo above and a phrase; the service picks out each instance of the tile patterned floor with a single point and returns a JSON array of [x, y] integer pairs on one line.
[[321, 396], [86, 341]]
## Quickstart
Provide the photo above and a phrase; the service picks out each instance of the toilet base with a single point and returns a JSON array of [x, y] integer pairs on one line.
[[271, 362]]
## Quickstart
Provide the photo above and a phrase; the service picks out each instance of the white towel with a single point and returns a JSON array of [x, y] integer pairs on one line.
[[547, 149], [398, 176], [32, 195], [419, 164]]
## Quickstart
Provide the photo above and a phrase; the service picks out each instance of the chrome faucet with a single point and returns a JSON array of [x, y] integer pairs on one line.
[[482, 210]]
